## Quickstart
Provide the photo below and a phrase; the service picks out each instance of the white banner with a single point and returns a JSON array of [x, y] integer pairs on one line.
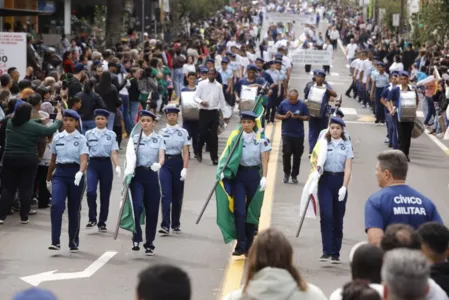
[[286, 17], [13, 47], [312, 57]]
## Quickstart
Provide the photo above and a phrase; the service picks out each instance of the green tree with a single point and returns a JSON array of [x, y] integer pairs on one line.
[[114, 15], [431, 24], [391, 8]]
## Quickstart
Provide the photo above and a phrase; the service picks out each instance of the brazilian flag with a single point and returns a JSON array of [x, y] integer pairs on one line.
[[224, 198], [126, 219]]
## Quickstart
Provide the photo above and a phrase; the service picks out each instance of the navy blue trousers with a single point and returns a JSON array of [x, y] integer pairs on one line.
[[145, 192], [332, 212], [380, 111], [64, 188], [245, 187], [194, 134], [172, 190], [316, 125], [99, 171]]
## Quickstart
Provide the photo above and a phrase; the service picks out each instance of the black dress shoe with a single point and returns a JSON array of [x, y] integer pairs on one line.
[[215, 162], [199, 157], [294, 180], [286, 177], [238, 253]]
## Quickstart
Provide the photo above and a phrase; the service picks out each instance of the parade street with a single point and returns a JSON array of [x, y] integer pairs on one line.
[[107, 269]]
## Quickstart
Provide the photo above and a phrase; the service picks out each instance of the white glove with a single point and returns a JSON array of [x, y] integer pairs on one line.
[[156, 167], [78, 177], [222, 175], [342, 193], [49, 186], [183, 174], [263, 184], [128, 172], [118, 171]]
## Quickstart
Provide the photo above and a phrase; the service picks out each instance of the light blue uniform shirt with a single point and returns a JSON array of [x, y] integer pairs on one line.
[[148, 148], [252, 151], [101, 143], [337, 156], [234, 66], [282, 75], [69, 147], [175, 139], [381, 80], [275, 75], [225, 74]]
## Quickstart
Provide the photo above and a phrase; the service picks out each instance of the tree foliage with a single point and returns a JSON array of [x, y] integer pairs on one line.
[[431, 24], [197, 9], [114, 17], [391, 8]]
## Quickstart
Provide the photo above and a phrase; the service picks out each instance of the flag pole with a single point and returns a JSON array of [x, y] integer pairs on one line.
[[226, 163], [126, 187], [303, 216]]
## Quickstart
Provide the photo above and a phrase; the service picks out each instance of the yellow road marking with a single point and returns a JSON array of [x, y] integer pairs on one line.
[[234, 271]]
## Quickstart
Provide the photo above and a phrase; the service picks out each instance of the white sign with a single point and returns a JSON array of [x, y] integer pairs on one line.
[[37, 279], [312, 57], [13, 52], [286, 17], [396, 20]]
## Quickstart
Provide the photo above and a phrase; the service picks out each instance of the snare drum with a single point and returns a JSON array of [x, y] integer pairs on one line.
[[189, 108], [418, 129], [315, 100], [407, 107], [248, 97]]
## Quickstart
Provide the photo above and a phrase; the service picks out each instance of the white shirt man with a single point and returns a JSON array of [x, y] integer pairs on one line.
[[351, 48]]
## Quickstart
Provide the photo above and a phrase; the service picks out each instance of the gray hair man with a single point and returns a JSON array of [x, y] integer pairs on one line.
[[405, 275], [396, 202]]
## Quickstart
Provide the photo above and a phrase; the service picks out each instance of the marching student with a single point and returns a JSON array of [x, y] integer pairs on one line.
[[333, 189], [102, 148], [69, 163], [250, 177], [174, 171], [145, 155]]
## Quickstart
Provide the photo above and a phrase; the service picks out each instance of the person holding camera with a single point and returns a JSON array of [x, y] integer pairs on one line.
[[293, 112]]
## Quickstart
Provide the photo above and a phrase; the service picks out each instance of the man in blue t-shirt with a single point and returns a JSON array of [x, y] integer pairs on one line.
[[293, 112], [396, 202]]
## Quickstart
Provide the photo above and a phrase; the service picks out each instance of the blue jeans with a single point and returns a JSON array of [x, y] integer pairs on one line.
[[88, 125], [111, 120], [125, 111], [178, 81], [430, 110], [134, 108]]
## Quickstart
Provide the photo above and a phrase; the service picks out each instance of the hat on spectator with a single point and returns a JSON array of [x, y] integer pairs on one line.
[[79, 68], [171, 109], [204, 69], [248, 115], [225, 60], [35, 294], [101, 112], [252, 67], [70, 113], [335, 120], [147, 113]]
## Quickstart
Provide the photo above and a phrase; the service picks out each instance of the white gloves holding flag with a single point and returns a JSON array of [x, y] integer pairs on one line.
[[183, 174], [155, 167], [118, 171], [222, 176], [78, 177], [342, 193], [263, 184]]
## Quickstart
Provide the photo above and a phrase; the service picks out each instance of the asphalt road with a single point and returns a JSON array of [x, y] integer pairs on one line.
[[200, 249]]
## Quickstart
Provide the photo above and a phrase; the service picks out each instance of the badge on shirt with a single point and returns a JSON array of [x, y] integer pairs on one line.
[[108, 138], [179, 133], [154, 140], [343, 147], [76, 144]]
